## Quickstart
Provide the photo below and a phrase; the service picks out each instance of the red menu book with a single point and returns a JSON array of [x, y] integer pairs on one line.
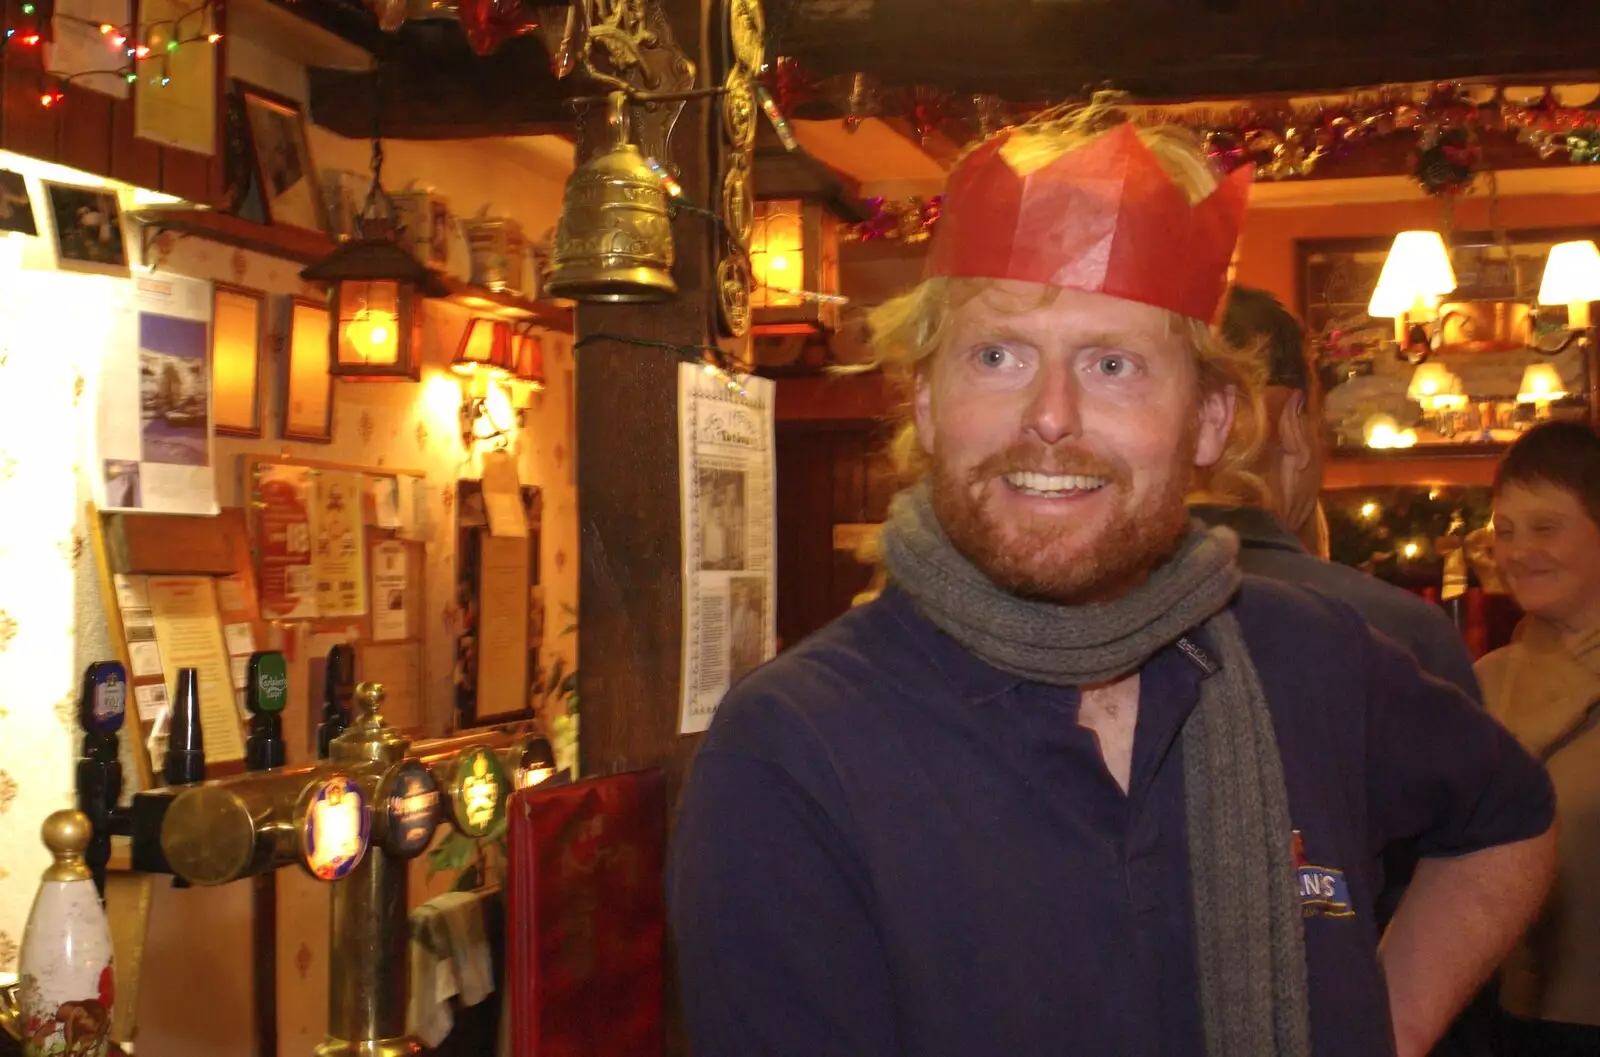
[[585, 917]]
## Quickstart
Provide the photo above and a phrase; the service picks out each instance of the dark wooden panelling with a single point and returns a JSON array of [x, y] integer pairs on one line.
[[29, 128], [185, 174], [133, 160], [85, 131], [829, 473]]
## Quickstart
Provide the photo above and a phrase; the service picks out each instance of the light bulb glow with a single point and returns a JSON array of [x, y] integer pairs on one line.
[[778, 263], [1411, 549], [371, 333], [1369, 510]]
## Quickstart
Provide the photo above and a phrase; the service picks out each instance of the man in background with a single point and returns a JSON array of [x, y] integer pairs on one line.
[[1289, 464]]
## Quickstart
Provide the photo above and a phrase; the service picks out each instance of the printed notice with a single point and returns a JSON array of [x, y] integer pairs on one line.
[[190, 635], [340, 558], [502, 625], [390, 604], [725, 460], [146, 659], [284, 525], [150, 701]]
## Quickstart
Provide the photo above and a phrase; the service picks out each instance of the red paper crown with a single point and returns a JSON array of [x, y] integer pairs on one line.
[[1104, 218]]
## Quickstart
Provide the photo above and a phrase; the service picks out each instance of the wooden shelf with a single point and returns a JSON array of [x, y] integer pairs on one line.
[[557, 315], [1425, 469], [289, 243], [307, 247]]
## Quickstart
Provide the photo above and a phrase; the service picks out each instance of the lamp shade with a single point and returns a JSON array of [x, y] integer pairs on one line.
[[530, 361], [1541, 382], [1417, 269], [1430, 381], [486, 346], [1571, 274]]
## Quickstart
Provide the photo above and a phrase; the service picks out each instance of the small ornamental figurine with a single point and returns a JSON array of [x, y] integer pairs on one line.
[[66, 979]]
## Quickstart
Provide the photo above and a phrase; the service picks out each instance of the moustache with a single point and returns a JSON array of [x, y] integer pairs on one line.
[[1035, 458]]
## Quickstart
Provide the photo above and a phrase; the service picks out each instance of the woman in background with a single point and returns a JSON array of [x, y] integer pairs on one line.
[[1545, 687]]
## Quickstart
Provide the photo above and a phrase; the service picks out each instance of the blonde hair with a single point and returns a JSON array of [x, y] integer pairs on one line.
[[907, 330]]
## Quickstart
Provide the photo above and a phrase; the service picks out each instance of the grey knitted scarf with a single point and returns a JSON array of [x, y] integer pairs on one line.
[[1249, 939]]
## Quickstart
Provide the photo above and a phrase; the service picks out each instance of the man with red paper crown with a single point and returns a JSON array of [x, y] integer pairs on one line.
[[1071, 785]]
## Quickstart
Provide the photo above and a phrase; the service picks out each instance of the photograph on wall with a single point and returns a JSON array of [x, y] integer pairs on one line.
[[747, 609], [288, 182], [173, 390], [722, 519], [88, 229], [16, 207], [155, 424], [726, 466]]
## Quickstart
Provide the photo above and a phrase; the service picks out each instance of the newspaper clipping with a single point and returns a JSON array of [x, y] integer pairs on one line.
[[725, 462]]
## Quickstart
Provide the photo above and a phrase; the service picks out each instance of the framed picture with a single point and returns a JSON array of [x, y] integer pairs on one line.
[[88, 229], [16, 208], [286, 181], [307, 412], [236, 318]]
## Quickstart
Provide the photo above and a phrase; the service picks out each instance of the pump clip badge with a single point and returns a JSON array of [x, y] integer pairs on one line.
[[1323, 890]]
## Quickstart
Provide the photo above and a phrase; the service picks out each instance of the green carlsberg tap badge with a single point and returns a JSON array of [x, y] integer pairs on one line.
[[269, 682]]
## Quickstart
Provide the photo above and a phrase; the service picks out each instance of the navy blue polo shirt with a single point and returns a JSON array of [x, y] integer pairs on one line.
[[888, 847]]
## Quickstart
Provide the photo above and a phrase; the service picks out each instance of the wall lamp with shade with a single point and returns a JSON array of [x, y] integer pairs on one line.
[[1572, 278], [1541, 385], [1416, 275], [484, 362], [527, 373]]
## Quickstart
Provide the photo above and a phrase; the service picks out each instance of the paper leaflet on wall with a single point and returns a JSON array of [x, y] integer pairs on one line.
[[154, 424], [725, 471]]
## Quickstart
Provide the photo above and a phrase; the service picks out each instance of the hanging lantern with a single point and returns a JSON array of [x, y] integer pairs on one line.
[[375, 286], [794, 266], [614, 240], [794, 240]]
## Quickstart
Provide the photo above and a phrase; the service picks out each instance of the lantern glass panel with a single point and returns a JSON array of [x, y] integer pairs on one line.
[[777, 254], [369, 323]]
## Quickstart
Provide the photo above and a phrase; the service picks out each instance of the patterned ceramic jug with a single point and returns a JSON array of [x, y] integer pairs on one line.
[[65, 986]]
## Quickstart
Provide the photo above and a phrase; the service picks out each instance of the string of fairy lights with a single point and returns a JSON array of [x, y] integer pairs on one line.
[[131, 45]]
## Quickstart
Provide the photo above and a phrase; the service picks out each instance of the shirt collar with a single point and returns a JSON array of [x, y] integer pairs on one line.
[[979, 682], [1253, 525]]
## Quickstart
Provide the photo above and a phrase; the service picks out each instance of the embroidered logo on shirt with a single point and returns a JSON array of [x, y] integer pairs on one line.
[[1323, 890], [1200, 657]]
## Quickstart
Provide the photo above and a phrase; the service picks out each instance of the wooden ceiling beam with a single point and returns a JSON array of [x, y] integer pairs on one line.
[[1178, 49], [433, 87]]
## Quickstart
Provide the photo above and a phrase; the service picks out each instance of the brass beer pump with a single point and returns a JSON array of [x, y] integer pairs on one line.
[[354, 820]]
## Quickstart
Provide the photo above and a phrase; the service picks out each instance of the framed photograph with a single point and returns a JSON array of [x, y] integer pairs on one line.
[[236, 329], [16, 208], [307, 412], [88, 229], [285, 178]]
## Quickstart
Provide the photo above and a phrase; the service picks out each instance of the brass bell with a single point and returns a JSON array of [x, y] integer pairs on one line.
[[614, 242]]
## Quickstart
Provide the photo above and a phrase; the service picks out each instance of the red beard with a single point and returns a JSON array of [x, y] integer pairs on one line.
[[1022, 559]]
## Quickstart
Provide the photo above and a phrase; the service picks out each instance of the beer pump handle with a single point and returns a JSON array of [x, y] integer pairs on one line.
[[102, 706], [266, 692], [339, 686], [186, 744]]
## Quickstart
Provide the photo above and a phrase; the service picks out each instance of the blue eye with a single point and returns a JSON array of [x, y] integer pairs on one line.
[[1114, 365], [993, 356]]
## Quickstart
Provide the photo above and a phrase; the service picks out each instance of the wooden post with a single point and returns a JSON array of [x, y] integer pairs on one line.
[[630, 586]]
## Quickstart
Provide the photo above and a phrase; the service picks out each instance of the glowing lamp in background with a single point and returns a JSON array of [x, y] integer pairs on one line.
[[375, 293], [1416, 274], [794, 267], [1572, 278]]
